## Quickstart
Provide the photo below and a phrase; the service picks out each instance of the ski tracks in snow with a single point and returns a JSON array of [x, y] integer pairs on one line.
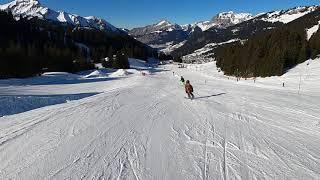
[[203, 135], [149, 131]]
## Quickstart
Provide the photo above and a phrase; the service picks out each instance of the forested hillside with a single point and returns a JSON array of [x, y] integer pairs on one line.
[[28, 47], [240, 31], [272, 52]]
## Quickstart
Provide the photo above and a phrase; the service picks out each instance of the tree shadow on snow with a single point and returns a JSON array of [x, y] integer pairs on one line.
[[206, 97], [47, 80], [14, 104]]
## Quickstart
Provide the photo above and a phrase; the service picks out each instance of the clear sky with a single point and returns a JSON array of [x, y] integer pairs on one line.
[[135, 13]]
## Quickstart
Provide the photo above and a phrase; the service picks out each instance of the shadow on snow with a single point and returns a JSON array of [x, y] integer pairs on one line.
[[14, 104], [206, 97]]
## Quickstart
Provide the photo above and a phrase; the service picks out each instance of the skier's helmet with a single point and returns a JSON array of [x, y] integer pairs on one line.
[[188, 81]]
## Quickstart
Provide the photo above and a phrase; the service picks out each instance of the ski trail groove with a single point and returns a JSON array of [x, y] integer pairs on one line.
[[206, 152], [130, 159], [225, 142]]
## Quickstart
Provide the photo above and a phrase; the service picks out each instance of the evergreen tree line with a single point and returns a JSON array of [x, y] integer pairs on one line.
[[104, 44], [272, 52], [164, 57], [117, 61], [29, 47]]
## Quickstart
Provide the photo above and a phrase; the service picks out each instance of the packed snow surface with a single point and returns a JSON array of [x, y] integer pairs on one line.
[[143, 127], [95, 74], [120, 73]]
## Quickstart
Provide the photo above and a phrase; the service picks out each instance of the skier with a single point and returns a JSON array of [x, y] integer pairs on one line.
[[182, 80], [189, 89]]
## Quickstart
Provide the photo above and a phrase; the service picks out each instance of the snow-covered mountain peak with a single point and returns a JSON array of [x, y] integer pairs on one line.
[[157, 28], [222, 20], [35, 2], [163, 23], [225, 14], [26, 8], [286, 16], [91, 17], [230, 18], [232, 14], [33, 8], [16, 2]]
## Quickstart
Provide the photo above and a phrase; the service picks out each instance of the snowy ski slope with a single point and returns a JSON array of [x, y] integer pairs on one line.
[[142, 127]]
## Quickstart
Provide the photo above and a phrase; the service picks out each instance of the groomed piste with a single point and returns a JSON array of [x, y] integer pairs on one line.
[[109, 124]]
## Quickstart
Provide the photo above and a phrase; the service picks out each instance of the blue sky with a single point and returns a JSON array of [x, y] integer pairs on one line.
[[134, 13]]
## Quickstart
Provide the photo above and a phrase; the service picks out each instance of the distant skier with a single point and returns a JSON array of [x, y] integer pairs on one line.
[[182, 80], [189, 89]]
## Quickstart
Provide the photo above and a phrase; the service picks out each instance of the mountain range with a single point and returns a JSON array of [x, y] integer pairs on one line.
[[224, 34], [181, 40], [33, 8], [272, 52], [35, 38], [167, 36], [163, 35], [170, 38], [260, 23]]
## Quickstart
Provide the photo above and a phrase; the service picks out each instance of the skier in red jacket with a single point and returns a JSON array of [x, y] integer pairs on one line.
[[189, 89]]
